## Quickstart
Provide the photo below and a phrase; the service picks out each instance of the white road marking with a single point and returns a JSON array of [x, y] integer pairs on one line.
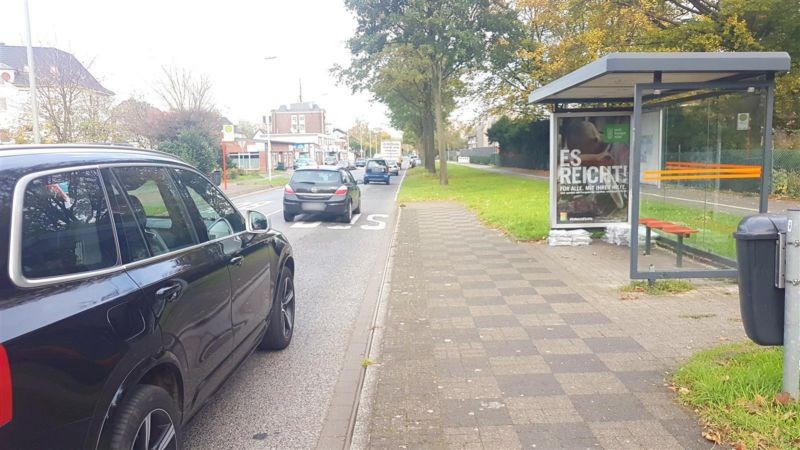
[[306, 224], [345, 227], [379, 224], [274, 212]]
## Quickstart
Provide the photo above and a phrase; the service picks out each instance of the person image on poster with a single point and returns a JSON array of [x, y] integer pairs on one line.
[[593, 173]]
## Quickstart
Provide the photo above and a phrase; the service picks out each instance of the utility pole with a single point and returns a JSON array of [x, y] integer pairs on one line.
[[37, 139], [791, 316]]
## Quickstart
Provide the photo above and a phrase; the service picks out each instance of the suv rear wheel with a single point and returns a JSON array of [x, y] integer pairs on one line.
[[287, 216], [147, 418]]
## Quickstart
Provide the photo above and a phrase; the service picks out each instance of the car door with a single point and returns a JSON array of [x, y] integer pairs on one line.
[[187, 279], [352, 187], [247, 254]]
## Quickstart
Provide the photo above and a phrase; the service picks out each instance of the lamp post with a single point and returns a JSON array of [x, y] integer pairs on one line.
[[269, 132], [32, 79]]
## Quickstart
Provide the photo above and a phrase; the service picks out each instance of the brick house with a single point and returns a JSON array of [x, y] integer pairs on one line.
[[294, 131]]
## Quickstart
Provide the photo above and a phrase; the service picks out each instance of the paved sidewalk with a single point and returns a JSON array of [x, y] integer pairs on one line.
[[495, 344]]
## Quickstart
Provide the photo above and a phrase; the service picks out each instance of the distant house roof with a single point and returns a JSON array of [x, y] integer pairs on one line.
[[295, 107], [46, 58]]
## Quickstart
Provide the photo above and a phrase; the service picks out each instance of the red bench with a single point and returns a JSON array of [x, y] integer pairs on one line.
[[680, 231]]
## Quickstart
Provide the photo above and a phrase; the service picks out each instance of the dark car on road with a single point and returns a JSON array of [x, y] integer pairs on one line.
[[322, 190], [130, 290], [377, 170]]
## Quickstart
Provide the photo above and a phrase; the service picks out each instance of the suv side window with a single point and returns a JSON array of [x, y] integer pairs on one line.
[[66, 227], [157, 207], [219, 216]]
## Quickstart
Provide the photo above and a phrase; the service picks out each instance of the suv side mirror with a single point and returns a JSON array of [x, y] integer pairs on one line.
[[257, 222]]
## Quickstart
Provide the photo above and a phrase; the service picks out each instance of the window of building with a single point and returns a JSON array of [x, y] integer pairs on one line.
[[66, 228], [294, 123], [302, 124]]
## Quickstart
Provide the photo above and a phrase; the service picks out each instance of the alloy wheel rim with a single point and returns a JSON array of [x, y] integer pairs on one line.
[[287, 307], [156, 432]]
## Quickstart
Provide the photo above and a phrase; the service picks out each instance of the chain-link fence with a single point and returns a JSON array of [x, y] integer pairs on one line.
[[786, 173]]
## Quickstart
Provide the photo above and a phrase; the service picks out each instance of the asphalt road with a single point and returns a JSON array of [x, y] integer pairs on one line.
[[280, 399]]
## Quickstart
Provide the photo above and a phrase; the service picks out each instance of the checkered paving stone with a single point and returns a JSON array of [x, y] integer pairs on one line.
[[488, 346]]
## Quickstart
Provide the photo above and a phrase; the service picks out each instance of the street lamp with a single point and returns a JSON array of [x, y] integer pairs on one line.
[[32, 78], [269, 131]]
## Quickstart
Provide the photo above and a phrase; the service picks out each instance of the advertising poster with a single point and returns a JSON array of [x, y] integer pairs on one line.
[[591, 169]]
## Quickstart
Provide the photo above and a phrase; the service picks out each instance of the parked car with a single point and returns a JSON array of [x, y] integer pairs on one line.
[[377, 170], [323, 190], [303, 162], [346, 165], [394, 169], [130, 290], [330, 161], [361, 162]]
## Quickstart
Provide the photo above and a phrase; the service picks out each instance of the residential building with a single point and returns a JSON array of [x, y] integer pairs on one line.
[[54, 67], [293, 131]]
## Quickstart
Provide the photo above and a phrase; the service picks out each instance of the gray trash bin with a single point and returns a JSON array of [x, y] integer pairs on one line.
[[760, 300]]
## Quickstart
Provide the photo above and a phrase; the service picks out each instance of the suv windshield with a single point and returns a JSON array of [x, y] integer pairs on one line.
[[316, 177]]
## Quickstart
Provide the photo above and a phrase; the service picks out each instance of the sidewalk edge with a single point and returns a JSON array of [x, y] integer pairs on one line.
[[359, 436]]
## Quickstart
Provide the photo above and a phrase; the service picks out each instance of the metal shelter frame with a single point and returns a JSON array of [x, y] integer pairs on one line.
[[619, 82]]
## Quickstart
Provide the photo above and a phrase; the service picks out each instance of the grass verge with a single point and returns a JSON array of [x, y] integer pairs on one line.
[[733, 388], [254, 179], [715, 228], [516, 205], [659, 287]]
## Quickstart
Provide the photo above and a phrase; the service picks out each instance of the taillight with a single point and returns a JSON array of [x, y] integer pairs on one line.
[[5, 388], [288, 190], [341, 191]]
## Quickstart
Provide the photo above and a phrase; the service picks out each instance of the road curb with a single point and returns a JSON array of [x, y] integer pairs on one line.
[[358, 437]]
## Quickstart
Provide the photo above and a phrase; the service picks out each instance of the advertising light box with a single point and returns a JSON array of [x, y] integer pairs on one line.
[[589, 169]]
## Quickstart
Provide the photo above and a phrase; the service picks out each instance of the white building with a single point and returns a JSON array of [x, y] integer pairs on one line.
[[52, 66]]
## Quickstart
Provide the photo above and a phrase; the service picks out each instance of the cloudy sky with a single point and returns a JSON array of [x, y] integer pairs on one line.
[[127, 42]]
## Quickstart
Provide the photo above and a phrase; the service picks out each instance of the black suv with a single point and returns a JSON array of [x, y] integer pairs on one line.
[[130, 289]]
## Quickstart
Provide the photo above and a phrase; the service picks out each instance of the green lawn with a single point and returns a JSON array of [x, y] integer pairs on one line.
[[256, 179], [519, 206], [516, 205], [733, 388], [715, 228]]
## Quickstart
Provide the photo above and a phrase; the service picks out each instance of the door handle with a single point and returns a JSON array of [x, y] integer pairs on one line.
[[169, 293], [236, 260]]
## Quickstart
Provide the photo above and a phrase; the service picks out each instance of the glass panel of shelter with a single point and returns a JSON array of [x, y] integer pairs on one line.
[[701, 154]]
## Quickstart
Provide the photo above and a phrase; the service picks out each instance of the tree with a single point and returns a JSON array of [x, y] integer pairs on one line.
[[450, 36], [195, 148], [138, 122], [71, 108], [182, 90]]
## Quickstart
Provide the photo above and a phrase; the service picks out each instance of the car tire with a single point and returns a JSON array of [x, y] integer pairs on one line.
[[144, 403], [281, 316], [348, 214], [288, 217], [358, 210]]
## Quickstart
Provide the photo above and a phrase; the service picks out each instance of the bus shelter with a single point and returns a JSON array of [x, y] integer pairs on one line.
[[677, 147]]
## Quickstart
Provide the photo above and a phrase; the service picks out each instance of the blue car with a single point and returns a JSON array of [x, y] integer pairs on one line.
[[377, 170]]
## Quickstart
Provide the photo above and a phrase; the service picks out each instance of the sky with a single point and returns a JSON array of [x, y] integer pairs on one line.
[[128, 42]]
